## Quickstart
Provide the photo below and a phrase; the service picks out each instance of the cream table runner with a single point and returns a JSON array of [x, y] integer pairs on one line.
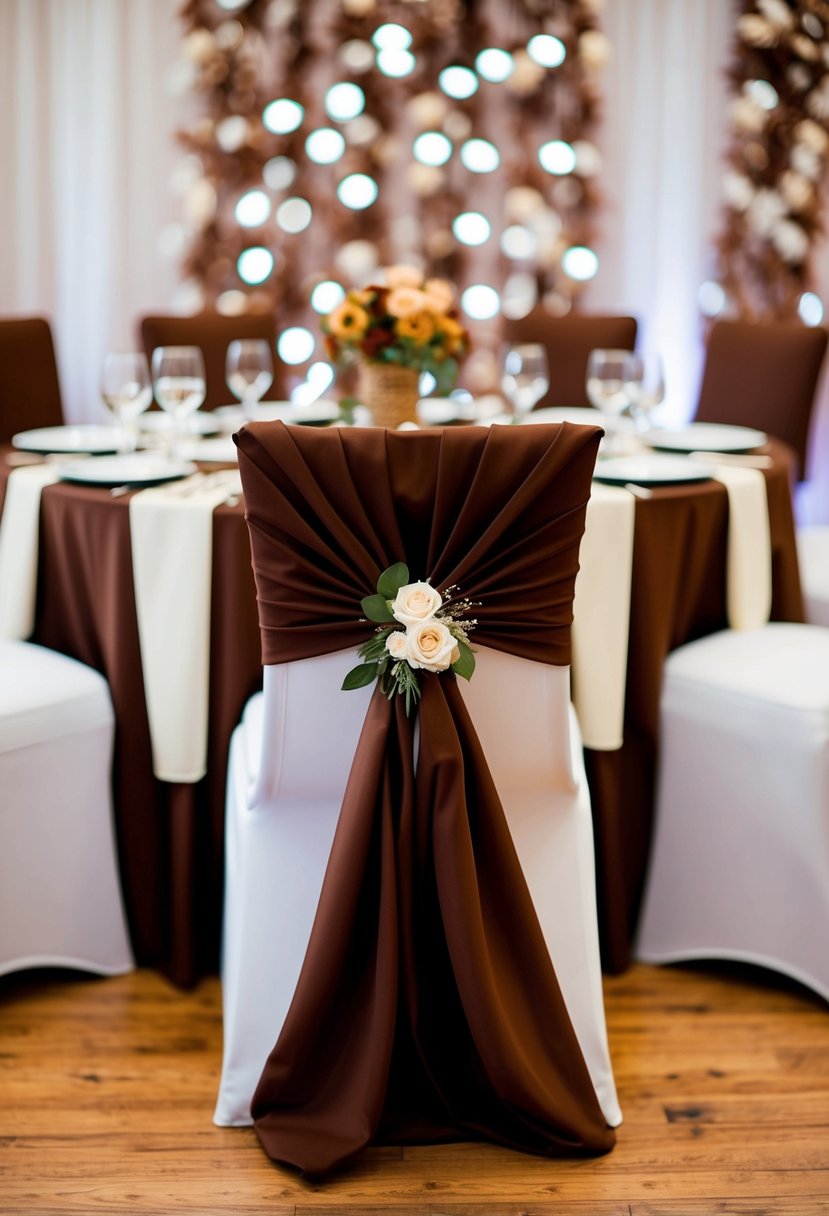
[[19, 529], [171, 529]]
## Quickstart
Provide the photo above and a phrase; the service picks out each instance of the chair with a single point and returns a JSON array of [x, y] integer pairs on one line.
[[291, 756], [213, 332], [740, 865], [764, 376], [60, 896], [813, 560], [29, 386], [569, 340]]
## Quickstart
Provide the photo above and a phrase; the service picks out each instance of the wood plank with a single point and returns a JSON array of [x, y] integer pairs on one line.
[[108, 1089]]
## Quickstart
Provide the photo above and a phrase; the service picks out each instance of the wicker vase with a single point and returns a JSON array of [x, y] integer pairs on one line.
[[389, 393]]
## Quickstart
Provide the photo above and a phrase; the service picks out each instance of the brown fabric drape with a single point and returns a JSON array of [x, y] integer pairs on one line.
[[29, 387], [427, 1006], [763, 375]]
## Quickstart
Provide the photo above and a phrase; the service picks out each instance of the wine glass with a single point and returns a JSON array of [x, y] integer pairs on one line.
[[525, 377], [179, 385], [127, 392], [610, 377], [249, 372], [646, 389]]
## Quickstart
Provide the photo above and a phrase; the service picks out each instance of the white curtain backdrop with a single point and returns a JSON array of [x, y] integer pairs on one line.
[[88, 149]]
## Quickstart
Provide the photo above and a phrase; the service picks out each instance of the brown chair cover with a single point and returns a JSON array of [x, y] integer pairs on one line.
[[569, 340], [765, 376], [213, 332], [427, 1007], [29, 385]]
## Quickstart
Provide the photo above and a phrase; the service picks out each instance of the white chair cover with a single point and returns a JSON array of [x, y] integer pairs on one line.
[[289, 763], [740, 863], [60, 895], [813, 558]]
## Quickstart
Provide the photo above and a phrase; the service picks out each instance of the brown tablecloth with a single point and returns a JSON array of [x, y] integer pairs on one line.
[[171, 836]]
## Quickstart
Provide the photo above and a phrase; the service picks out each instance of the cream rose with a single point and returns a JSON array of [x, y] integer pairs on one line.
[[405, 301], [431, 646], [397, 643], [415, 602], [403, 276]]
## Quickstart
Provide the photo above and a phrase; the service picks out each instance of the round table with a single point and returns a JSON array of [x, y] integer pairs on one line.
[[171, 836]]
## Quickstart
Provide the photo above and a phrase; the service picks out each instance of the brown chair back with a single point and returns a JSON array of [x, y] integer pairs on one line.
[[29, 385], [212, 332], [763, 375], [569, 340]]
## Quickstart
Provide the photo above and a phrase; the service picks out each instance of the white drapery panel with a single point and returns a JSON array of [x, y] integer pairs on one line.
[[662, 140], [86, 148]]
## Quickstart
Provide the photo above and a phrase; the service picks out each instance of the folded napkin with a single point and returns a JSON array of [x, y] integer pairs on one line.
[[171, 529], [601, 616], [748, 571], [19, 532]]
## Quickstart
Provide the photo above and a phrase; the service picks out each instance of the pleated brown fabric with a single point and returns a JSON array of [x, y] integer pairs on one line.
[[427, 1007]]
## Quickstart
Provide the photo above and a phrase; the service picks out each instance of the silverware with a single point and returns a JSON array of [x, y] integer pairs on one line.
[[638, 491]]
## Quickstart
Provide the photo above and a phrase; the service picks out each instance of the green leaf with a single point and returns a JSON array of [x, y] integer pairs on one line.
[[391, 580], [376, 609], [358, 677], [446, 374], [465, 665]]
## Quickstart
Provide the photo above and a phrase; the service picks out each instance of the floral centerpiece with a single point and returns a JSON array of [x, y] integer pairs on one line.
[[418, 628], [394, 332]]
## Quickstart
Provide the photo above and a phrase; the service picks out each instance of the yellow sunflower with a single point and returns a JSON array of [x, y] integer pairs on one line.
[[348, 322], [419, 326], [452, 334]]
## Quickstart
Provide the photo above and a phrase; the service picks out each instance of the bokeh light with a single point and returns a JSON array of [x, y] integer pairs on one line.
[[580, 263], [283, 116], [253, 209], [327, 295], [711, 298], [557, 157], [547, 50], [432, 148], [458, 82], [494, 64], [480, 302], [480, 156], [357, 191], [344, 101], [294, 215], [471, 228], [279, 172], [325, 146], [295, 345], [254, 265], [392, 61], [391, 37], [810, 308]]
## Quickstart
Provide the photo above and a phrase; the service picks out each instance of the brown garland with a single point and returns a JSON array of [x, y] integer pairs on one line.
[[242, 58], [777, 157]]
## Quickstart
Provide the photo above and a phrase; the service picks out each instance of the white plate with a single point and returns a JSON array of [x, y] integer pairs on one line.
[[652, 468], [136, 469], [583, 415], [231, 417], [200, 422], [438, 411], [708, 437], [70, 439], [221, 449]]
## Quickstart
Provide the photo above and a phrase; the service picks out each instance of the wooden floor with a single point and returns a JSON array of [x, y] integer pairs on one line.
[[107, 1090]]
